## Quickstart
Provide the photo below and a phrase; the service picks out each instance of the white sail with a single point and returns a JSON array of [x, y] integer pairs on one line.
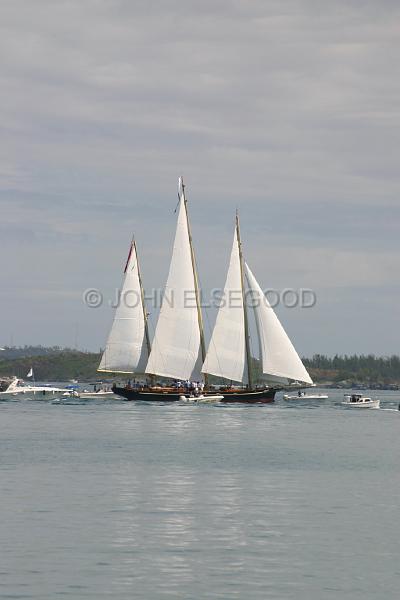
[[126, 348], [279, 359], [226, 355], [176, 345]]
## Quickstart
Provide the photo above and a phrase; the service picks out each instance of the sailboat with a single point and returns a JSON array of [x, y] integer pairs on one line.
[[178, 348], [229, 354]]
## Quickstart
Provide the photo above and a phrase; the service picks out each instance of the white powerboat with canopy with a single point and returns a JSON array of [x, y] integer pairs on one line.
[[360, 401], [16, 387]]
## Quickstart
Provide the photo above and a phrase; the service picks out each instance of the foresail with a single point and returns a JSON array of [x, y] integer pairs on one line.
[[279, 358], [176, 345], [126, 347], [226, 355]]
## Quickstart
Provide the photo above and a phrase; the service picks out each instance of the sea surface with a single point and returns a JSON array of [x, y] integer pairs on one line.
[[114, 499]]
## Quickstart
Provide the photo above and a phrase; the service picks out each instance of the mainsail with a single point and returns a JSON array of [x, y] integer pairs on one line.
[[128, 346], [176, 348], [277, 354], [226, 355]]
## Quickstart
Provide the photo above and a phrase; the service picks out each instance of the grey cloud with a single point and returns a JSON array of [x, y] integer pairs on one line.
[[288, 110]]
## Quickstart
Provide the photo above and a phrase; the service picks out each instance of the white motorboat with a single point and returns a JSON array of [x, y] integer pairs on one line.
[[38, 390], [360, 401], [16, 387], [304, 396], [202, 398], [8, 386]]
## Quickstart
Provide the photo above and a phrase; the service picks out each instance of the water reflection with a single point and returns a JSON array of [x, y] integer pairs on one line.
[[154, 530], [176, 528], [118, 500]]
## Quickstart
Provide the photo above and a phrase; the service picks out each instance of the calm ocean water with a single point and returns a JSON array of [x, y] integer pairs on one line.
[[111, 499]]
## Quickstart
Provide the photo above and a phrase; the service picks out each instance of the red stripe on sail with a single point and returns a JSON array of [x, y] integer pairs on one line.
[[129, 258]]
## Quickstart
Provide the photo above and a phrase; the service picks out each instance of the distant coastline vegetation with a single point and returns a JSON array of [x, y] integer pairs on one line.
[[62, 364], [49, 364], [355, 370]]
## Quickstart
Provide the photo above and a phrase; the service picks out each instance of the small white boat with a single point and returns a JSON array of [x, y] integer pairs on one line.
[[360, 401], [304, 396], [97, 394], [202, 398]]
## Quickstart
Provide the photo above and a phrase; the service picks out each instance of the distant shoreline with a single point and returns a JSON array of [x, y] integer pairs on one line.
[[63, 364]]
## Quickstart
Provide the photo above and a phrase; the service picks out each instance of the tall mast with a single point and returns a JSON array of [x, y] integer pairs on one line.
[[145, 316], [196, 284], [246, 322]]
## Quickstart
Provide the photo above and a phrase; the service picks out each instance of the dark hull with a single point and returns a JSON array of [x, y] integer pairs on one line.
[[258, 396], [263, 396], [146, 396]]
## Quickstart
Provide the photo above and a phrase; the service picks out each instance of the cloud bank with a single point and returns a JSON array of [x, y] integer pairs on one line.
[[287, 110]]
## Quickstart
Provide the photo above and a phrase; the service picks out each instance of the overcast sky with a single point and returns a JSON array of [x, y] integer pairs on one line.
[[288, 110]]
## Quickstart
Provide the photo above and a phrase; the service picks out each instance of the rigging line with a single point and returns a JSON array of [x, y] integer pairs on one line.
[[176, 207]]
